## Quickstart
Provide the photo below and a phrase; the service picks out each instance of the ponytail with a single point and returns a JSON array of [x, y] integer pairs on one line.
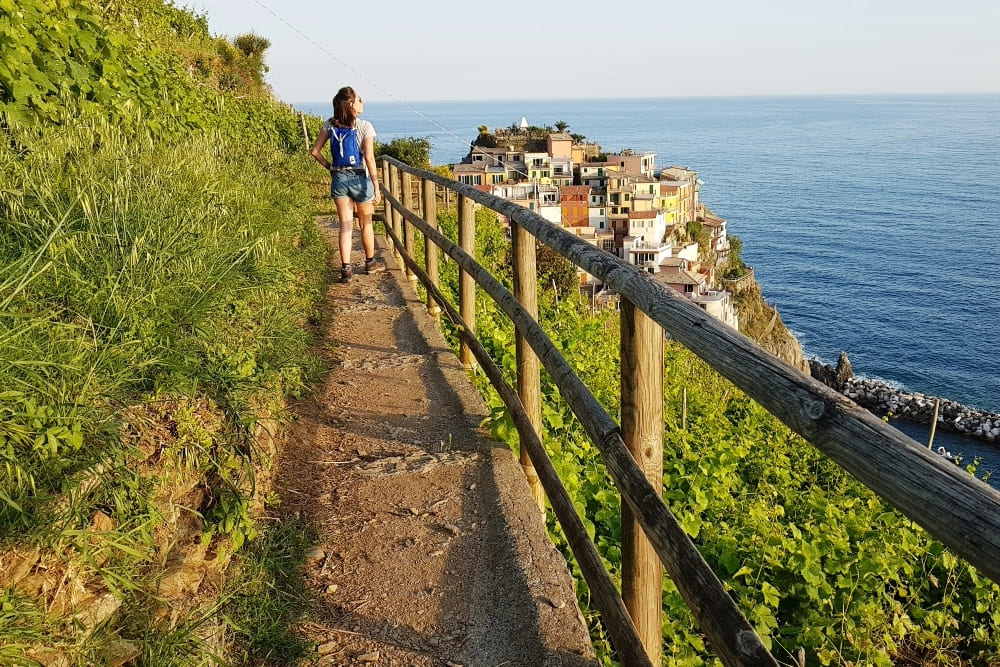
[[343, 110]]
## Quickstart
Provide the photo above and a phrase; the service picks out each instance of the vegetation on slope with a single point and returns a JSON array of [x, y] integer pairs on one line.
[[814, 559], [158, 263]]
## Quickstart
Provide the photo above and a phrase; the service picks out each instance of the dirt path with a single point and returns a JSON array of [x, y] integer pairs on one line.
[[431, 552]]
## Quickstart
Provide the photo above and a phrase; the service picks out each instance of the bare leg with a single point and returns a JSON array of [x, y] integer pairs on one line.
[[365, 212], [345, 211]]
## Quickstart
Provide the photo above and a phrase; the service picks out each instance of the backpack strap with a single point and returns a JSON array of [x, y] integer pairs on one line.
[[339, 138]]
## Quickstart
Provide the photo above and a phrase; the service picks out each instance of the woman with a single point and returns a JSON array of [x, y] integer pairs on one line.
[[354, 184]]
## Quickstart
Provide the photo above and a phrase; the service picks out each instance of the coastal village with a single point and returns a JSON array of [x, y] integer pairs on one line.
[[618, 202], [622, 204]]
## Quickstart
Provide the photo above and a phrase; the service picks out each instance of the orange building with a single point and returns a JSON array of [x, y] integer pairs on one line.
[[574, 200]]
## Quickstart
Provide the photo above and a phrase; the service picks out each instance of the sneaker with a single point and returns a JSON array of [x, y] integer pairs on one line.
[[346, 273], [374, 265]]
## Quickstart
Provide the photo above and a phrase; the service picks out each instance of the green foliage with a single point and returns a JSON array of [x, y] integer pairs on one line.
[[132, 271], [812, 557], [561, 126], [119, 60], [23, 623], [158, 262], [555, 271], [414, 151], [265, 597], [696, 232], [252, 45], [485, 140], [734, 266]]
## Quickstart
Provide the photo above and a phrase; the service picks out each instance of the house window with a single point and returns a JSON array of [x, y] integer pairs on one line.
[[601, 225], [609, 245], [600, 171], [602, 211], [689, 289], [626, 196]]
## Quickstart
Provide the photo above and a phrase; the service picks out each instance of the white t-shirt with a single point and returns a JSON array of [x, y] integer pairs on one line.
[[364, 128]]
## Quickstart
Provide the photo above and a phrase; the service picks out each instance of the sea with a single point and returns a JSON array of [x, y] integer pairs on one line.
[[872, 222]]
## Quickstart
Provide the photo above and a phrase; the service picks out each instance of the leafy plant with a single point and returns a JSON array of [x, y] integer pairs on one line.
[[813, 558]]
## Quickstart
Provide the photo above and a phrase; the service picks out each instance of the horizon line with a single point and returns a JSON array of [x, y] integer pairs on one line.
[[374, 99]]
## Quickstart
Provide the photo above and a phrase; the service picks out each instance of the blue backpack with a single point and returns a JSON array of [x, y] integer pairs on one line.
[[344, 147]]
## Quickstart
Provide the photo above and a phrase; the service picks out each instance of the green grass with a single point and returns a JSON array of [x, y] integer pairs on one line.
[[267, 595], [135, 274]]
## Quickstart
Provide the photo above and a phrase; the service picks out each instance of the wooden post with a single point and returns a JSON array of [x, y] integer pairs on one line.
[[528, 373], [407, 227], [937, 407], [386, 209], [430, 249], [684, 409], [397, 218], [305, 132], [466, 284], [642, 431]]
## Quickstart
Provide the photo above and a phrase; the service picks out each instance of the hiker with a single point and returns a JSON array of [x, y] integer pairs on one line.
[[354, 180]]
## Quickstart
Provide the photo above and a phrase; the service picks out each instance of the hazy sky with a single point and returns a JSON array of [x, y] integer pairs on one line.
[[450, 50]]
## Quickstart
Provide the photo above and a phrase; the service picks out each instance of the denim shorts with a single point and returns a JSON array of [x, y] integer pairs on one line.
[[353, 183]]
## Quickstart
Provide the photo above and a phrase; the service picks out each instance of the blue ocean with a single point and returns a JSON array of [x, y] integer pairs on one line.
[[872, 222]]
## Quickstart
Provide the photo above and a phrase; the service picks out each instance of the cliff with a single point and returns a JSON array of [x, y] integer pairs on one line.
[[761, 322]]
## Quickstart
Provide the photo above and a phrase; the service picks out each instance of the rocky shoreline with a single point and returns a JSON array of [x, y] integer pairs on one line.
[[883, 399]]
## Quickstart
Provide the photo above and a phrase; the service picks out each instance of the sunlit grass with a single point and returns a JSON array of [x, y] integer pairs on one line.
[[130, 273]]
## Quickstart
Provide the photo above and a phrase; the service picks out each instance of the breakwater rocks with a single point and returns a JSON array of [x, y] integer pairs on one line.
[[881, 399]]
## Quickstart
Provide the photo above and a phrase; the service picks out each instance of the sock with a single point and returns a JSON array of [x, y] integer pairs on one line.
[[369, 260]]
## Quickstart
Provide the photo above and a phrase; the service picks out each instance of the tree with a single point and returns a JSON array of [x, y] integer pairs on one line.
[[735, 267], [483, 129], [486, 140], [697, 233], [414, 151], [578, 138], [562, 125], [554, 268], [252, 45]]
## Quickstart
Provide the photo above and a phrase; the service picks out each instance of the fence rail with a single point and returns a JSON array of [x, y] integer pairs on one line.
[[954, 507]]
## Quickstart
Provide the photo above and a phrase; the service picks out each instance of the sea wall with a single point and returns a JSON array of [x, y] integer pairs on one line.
[[882, 399]]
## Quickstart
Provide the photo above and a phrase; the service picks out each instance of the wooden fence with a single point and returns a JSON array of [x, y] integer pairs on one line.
[[954, 507]]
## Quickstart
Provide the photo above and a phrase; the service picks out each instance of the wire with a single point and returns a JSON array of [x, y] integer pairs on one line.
[[361, 75]]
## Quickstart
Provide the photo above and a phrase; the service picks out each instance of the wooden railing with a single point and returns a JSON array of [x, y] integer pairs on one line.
[[954, 507]]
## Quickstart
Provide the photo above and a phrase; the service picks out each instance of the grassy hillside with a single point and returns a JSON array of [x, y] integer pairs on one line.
[[158, 263]]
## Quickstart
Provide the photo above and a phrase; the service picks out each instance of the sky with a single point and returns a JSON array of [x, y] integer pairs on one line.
[[558, 49]]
